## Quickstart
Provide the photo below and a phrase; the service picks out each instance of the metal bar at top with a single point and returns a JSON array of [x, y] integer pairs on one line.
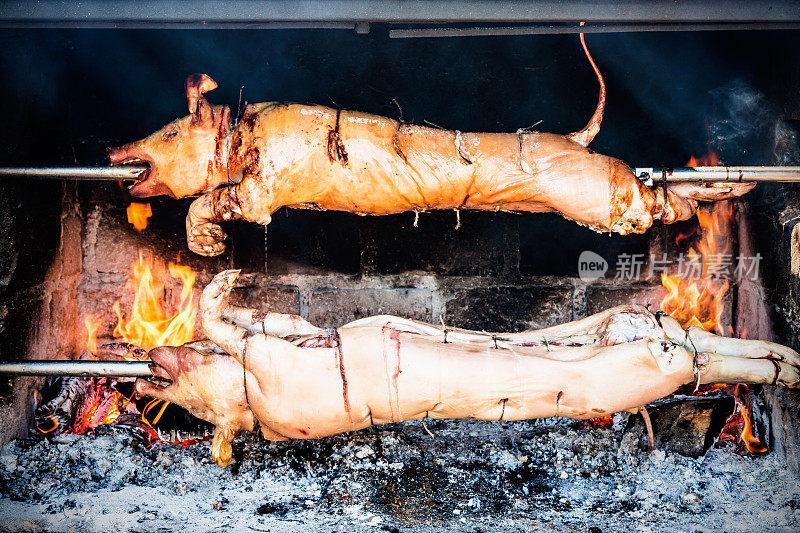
[[116, 369], [550, 29], [397, 11]]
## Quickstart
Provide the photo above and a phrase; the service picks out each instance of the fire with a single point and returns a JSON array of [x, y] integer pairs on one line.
[[150, 324], [92, 325], [700, 302], [741, 423], [711, 159], [138, 214]]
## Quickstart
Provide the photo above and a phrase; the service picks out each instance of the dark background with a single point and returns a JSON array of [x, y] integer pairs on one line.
[[66, 95]]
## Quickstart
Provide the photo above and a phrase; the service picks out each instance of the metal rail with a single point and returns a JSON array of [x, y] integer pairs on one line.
[[116, 369], [647, 174], [651, 175], [552, 29], [243, 12], [123, 172]]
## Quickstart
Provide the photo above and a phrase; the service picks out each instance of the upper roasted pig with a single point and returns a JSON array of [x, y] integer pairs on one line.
[[315, 157], [298, 381]]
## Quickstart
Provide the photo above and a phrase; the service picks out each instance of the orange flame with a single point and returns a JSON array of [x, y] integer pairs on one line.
[[740, 422], [138, 214], [149, 324], [711, 159], [92, 325], [700, 302]]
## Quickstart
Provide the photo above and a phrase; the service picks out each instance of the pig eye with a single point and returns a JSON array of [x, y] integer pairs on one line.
[[169, 134]]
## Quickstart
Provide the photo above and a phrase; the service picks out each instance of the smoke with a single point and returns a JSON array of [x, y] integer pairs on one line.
[[786, 150], [745, 128]]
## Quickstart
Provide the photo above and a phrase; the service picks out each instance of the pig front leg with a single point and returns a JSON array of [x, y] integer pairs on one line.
[[682, 199], [247, 200]]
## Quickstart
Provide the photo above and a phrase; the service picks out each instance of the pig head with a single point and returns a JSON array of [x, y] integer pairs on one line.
[[188, 156], [206, 383]]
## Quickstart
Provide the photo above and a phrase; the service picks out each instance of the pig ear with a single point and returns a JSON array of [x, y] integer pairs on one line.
[[196, 85]]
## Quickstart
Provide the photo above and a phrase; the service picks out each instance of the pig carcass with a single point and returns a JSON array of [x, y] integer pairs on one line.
[[315, 157], [297, 381]]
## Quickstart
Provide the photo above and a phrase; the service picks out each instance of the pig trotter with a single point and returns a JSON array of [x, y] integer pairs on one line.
[[203, 235]]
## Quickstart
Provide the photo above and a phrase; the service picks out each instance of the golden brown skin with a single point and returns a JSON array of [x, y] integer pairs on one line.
[[387, 369], [315, 157]]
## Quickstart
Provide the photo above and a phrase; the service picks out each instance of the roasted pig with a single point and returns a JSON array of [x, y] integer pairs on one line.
[[297, 381], [315, 157]]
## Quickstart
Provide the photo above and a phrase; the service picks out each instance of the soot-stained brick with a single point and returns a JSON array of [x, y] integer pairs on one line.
[[115, 245], [306, 242], [602, 298], [509, 308], [267, 299], [550, 245], [484, 244], [330, 308]]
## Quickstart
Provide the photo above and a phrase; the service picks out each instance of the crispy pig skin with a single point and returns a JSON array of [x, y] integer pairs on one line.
[[311, 383], [315, 157]]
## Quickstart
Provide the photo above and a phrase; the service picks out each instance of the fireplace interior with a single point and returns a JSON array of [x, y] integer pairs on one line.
[[68, 253]]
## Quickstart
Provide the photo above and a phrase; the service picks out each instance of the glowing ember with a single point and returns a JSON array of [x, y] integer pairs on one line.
[[739, 427], [138, 214], [91, 324], [102, 408], [150, 324]]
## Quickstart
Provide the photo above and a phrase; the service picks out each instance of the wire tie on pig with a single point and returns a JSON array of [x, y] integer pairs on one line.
[[434, 125], [458, 218], [460, 148], [416, 217], [777, 369], [651, 441], [425, 426], [400, 109], [444, 329], [244, 374]]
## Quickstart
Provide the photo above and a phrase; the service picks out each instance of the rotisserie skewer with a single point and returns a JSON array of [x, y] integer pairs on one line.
[[117, 369], [649, 175], [123, 172]]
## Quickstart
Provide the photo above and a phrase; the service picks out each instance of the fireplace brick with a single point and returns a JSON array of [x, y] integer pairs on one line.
[[601, 298], [485, 244], [332, 307], [268, 299], [510, 308], [300, 242], [112, 246]]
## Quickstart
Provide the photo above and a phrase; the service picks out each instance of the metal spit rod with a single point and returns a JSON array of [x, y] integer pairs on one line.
[[647, 174], [718, 174], [116, 369], [122, 172]]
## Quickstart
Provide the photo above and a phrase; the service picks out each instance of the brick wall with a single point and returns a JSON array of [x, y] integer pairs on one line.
[[497, 271]]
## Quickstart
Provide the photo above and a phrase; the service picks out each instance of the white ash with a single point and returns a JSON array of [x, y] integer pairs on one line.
[[469, 476]]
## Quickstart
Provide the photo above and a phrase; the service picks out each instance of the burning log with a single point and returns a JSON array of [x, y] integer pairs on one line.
[[311, 382], [81, 404]]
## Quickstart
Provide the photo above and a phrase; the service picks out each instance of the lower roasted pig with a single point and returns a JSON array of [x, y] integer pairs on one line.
[[297, 381]]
